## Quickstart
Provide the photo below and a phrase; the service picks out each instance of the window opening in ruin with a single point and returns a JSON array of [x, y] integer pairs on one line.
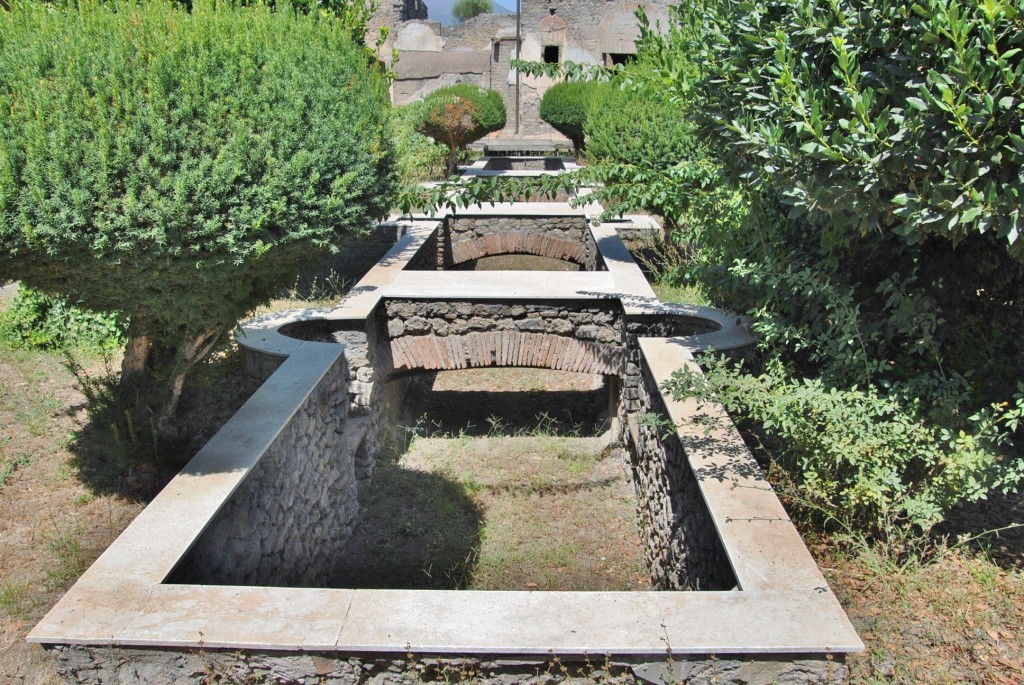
[[551, 54], [621, 58], [497, 52]]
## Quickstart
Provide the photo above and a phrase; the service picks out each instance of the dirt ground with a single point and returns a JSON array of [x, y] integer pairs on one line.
[[68, 488]]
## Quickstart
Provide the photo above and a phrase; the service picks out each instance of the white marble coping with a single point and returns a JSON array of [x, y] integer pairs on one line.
[[567, 162], [510, 173], [263, 333], [782, 606], [634, 222]]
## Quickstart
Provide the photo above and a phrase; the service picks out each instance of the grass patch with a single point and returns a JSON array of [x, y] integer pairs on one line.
[[527, 512], [680, 293], [16, 598], [67, 558], [8, 465]]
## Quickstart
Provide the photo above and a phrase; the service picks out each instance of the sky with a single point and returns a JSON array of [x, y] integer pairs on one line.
[[441, 10]]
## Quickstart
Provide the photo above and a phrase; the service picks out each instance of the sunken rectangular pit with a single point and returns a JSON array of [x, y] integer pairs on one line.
[[193, 590]]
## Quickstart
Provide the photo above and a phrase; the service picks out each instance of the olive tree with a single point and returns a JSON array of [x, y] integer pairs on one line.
[[181, 166], [458, 115]]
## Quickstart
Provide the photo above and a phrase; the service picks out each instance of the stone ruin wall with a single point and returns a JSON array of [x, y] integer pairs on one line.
[[124, 666], [583, 30], [681, 546], [452, 335], [390, 14], [566, 238], [118, 666], [278, 525]]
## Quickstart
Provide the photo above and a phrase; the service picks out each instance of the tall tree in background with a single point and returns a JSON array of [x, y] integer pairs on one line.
[[467, 9], [180, 167]]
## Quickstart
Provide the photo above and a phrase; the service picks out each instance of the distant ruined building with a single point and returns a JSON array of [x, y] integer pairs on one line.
[[479, 50]]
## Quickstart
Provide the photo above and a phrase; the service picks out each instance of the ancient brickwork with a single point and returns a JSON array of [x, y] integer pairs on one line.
[[479, 31], [390, 13], [565, 238], [455, 335], [681, 546]]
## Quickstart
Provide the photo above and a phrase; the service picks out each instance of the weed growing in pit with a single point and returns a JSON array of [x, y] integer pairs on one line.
[[320, 291]]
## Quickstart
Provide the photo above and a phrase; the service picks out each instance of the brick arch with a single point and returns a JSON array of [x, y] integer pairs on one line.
[[519, 242], [505, 348]]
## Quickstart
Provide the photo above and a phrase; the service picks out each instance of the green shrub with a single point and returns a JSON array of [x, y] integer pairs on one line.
[[458, 115], [862, 460], [893, 116], [419, 158], [565, 106], [181, 166], [35, 320], [643, 147], [630, 123], [820, 121]]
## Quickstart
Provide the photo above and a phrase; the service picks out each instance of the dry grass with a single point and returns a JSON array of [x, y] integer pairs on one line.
[[52, 524], [958, 618], [558, 513]]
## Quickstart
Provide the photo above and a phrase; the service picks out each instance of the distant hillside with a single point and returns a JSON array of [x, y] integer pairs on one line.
[[441, 10]]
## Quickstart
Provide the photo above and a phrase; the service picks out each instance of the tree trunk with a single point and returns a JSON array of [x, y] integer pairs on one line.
[[453, 160], [187, 357], [136, 359]]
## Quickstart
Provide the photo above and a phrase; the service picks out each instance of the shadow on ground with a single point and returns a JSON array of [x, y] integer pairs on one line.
[[417, 530]]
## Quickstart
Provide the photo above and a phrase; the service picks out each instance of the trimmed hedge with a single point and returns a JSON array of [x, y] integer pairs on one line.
[[639, 127], [565, 106], [180, 167]]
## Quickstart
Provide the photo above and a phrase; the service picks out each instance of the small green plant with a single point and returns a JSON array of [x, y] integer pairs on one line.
[[38, 321], [420, 158], [861, 460], [68, 558], [8, 466], [16, 598]]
